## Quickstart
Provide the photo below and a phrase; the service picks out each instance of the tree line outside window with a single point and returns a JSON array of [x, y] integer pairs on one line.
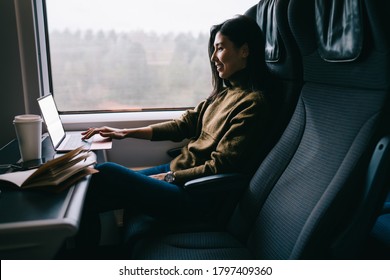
[[111, 70]]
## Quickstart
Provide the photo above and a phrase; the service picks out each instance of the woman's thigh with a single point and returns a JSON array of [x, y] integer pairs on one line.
[[155, 170], [116, 186]]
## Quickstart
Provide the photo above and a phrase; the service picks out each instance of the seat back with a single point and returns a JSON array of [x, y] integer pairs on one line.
[[310, 185], [283, 61]]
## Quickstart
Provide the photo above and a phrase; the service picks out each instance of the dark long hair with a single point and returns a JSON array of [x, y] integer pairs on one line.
[[240, 30]]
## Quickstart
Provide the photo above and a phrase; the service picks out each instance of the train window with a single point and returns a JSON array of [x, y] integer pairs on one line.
[[132, 55]]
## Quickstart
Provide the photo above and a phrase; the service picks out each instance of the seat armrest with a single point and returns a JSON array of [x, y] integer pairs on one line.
[[218, 183]]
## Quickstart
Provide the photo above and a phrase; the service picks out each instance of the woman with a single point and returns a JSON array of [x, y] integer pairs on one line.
[[223, 131]]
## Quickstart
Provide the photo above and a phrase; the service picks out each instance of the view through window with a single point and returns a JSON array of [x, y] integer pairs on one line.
[[132, 55]]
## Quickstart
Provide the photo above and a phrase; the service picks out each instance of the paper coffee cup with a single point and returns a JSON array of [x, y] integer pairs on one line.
[[29, 131]]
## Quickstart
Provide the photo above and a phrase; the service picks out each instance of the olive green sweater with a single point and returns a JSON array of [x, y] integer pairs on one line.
[[223, 135]]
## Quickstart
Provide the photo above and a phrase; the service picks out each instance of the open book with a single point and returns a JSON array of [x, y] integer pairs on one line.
[[56, 174]]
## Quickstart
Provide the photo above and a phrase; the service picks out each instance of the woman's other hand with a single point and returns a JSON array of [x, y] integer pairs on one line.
[[160, 176]]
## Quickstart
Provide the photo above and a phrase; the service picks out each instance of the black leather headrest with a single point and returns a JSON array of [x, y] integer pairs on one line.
[[266, 19], [339, 29], [343, 42]]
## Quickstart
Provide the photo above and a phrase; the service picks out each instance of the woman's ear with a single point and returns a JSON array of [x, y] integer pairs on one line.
[[244, 50]]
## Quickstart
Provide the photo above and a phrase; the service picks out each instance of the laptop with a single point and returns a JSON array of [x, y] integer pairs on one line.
[[67, 141]]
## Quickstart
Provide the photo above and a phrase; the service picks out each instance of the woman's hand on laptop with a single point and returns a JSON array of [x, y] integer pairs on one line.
[[118, 133], [105, 131]]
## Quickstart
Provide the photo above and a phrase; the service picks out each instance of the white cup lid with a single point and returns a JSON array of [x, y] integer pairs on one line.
[[27, 118]]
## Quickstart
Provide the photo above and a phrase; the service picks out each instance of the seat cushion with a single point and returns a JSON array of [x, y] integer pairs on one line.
[[381, 230], [202, 245]]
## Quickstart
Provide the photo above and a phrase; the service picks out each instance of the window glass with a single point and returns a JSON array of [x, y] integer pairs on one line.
[[133, 55]]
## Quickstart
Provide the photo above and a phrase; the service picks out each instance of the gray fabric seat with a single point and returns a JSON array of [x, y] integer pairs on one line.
[[308, 193], [217, 245]]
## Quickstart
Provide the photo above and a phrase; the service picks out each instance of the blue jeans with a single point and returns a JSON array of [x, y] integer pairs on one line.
[[117, 187]]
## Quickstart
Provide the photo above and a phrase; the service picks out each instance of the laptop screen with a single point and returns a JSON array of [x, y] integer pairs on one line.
[[52, 119]]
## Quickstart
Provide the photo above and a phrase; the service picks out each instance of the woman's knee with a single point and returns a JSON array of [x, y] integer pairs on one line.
[[116, 178], [106, 176], [105, 187], [108, 172], [108, 167]]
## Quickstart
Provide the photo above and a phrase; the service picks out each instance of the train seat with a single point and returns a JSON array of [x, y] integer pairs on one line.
[[323, 181]]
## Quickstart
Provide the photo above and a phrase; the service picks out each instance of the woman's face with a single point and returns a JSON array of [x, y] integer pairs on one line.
[[228, 59]]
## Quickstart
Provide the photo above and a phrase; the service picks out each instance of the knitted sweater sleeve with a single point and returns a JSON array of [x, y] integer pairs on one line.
[[185, 127]]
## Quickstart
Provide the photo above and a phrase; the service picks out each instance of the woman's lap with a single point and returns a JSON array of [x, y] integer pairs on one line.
[[116, 186]]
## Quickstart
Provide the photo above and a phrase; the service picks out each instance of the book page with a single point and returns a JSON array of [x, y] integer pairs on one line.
[[64, 158], [59, 178], [53, 172], [17, 178]]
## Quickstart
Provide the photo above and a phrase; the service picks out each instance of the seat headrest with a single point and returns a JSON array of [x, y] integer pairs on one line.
[[266, 19], [339, 29], [281, 51], [343, 42]]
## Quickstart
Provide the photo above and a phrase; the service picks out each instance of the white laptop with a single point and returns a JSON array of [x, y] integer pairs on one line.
[[67, 141]]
